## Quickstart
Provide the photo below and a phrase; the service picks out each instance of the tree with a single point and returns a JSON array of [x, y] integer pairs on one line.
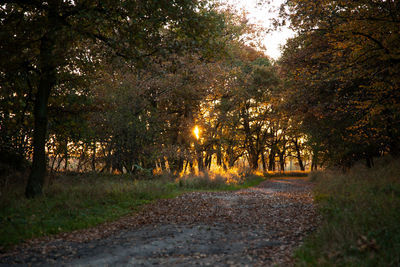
[[255, 114], [342, 71], [244, 109], [46, 39]]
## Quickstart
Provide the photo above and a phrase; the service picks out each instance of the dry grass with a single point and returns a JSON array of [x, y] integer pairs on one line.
[[361, 218], [79, 201], [287, 174]]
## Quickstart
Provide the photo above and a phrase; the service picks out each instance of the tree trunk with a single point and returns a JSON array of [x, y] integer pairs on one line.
[[208, 162], [173, 165], [191, 165], [38, 171], [298, 155], [94, 158], [46, 83], [180, 165], [314, 160], [224, 166], [163, 164], [253, 160], [300, 163], [66, 155], [263, 162], [314, 165], [219, 154], [369, 161], [231, 162], [271, 165], [186, 166], [200, 163], [52, 164], [282, 161], [60, 160]]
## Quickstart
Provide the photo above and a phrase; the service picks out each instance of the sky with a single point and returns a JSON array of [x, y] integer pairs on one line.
[[262, 14]]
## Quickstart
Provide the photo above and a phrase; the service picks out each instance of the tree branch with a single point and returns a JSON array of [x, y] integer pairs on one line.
[[373, 40]]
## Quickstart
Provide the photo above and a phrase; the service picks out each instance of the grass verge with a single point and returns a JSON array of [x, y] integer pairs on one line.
[[286, 174], [360, 218], [81, 201]]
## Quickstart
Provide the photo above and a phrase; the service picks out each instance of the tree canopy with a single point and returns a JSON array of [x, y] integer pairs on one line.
[[52, 47], [119, 86], [342, 73]]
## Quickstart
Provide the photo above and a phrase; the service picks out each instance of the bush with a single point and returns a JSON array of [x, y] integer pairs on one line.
[[315, 176], [286, 174], [202, 181]]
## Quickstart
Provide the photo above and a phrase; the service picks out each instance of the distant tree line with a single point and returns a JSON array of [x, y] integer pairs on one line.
[[118, 86]]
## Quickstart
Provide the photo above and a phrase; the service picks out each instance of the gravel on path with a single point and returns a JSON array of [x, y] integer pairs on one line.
[[258, 226]]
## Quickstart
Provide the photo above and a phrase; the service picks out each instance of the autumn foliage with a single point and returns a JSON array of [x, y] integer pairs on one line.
[[342, 72]]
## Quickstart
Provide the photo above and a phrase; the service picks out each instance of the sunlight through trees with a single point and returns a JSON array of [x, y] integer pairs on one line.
[[127, 87]]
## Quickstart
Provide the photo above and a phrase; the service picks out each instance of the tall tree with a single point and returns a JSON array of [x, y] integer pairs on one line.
[[47, 37], [342, 70]]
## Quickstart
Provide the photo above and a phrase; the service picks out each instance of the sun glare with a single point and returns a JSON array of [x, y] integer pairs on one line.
[[196, 132]]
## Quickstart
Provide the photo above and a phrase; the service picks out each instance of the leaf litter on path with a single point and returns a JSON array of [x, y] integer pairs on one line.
[[258, 226]]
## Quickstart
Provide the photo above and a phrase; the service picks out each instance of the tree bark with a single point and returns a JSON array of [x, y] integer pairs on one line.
[[94, 157], [314, 165], [298, 155], [271, 164], [208, 161], [163, 164], [282, 161], [47, 81], [200, 163], [314, 160], [369, 161], [219, 149], [66, 155], [180, 164], [253, 158], [264, 165], [300, 161]]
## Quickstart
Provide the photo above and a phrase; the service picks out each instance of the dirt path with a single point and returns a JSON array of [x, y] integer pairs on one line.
[[259, 226]]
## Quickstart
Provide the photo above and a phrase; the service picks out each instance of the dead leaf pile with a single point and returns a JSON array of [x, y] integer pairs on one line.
[[281, 207]]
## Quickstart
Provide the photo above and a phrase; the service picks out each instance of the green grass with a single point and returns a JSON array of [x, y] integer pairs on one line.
[[81, 201], [360, 218]]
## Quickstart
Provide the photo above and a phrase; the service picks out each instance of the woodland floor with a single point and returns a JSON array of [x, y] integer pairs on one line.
[[259, 226]]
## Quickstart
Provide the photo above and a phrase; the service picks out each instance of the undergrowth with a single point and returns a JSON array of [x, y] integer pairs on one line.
[[80, 201], [286, 174], [360, 218]]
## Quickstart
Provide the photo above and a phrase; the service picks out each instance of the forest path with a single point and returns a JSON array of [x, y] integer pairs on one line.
[[258, 226]]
